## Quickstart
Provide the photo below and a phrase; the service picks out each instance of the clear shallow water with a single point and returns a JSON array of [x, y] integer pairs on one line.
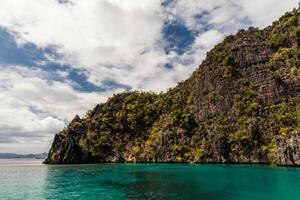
[[29, 179]]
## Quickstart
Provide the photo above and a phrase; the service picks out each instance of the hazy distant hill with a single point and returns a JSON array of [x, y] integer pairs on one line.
[[13, 155]]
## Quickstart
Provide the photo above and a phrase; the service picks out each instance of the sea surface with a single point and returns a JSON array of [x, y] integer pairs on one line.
[[29, 179]]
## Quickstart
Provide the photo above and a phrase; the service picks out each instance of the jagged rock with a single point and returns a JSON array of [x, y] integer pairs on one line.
[[240, 106], [288, 150]]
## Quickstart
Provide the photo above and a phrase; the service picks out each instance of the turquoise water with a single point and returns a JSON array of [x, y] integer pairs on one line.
[[29, 179]]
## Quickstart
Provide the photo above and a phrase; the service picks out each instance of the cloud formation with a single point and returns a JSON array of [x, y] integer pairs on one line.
[[125, 42], [32, 108]]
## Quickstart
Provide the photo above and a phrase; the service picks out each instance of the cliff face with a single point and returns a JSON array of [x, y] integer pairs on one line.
[[240, 106]]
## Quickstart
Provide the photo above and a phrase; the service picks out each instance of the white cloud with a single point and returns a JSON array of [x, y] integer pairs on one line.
[[208, 39], [92, 34], [121, 40], [204, 42], [32, 107], [186, 10], [229, 15], [262, 13], [118, 40]]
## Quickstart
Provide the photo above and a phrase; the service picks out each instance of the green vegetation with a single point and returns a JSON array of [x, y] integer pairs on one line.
[[277, 41], [244, 82], [285, 114], [296, 35], [228, 62], [270, 151], [245, 100], [290, 18], [141, 116]]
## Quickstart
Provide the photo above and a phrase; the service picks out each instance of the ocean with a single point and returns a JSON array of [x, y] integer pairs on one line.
[[22, 179]]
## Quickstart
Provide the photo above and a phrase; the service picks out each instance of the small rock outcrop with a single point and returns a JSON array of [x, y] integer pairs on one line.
[[288, 150], [240, 106]]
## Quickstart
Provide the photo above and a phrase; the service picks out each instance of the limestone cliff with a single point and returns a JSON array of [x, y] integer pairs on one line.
[[240, 106]]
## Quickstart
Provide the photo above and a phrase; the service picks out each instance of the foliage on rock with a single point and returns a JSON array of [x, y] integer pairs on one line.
[[240, 106]]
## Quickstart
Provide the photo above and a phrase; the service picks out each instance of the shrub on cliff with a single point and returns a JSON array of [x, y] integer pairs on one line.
[[277, 41]]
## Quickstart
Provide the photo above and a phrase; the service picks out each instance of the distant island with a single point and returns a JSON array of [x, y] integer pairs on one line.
[[14, 155]]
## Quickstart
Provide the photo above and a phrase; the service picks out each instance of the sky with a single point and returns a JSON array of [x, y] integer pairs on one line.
[[59, 58]]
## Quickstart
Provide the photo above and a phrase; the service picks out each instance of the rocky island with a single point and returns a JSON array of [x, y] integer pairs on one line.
[[241, 105]]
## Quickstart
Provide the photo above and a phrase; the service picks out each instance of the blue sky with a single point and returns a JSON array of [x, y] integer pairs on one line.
[[60, 58]]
